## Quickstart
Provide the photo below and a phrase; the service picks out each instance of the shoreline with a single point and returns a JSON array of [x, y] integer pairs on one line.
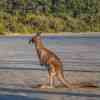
[[67, 34]]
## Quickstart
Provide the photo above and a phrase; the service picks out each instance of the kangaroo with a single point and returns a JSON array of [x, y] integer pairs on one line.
[[50, 60]]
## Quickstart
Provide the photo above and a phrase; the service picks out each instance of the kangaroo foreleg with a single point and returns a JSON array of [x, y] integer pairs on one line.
[[40, 59], [43, 60]]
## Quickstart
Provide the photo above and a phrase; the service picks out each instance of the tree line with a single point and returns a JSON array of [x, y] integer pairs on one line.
[[85, 12], [57, 7]]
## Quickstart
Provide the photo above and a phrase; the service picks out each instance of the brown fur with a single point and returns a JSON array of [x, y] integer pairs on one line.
[[50, 60]]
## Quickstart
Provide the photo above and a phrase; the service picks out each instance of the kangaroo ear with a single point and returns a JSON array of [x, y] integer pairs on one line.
[[38, 33]]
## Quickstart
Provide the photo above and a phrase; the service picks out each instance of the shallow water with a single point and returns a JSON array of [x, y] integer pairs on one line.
[[19, 67], [77, 53]]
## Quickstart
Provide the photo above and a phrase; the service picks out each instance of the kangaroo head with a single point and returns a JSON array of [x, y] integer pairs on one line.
[[35, 38]]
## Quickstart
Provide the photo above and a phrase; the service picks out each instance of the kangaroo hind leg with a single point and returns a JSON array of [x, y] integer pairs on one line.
[[51, 79], [52, 74], [60, 77]]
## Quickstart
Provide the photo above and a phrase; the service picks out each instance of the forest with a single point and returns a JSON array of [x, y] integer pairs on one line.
[[51, 16]]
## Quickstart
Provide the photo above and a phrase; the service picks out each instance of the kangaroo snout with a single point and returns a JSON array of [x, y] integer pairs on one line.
[[30, 41]]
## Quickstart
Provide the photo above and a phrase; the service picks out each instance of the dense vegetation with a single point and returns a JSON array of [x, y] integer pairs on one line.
[[27, 16]]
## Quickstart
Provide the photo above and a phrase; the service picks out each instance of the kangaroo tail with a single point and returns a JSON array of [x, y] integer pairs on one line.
[[63, 81]]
